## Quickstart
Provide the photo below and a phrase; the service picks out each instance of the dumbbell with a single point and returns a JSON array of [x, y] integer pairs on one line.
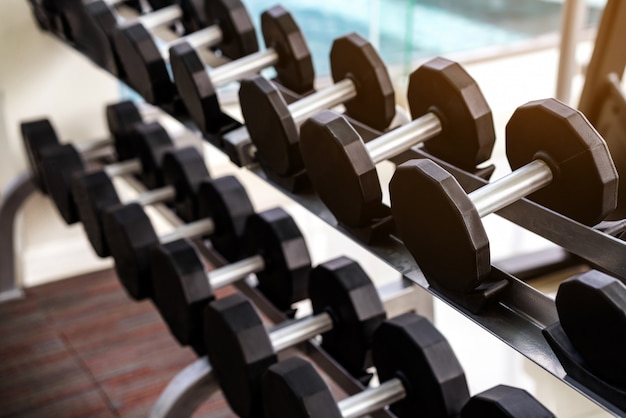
[[362, 83], [506, 402], [592, 312], [560, 161], [222, 207], [275, 251], [40, 134], [347, 309], [94, 192], [286, 50], [417, 368], [145, 62], [304, 394], [419, 373], [104, 16], [70, 20], [453, 121], [60, 164]]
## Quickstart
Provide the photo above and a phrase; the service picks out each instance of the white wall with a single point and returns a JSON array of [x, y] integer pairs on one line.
[[41, 77]]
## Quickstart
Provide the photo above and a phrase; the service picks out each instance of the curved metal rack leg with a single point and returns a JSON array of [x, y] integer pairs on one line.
[[18, 190], [186, 391]]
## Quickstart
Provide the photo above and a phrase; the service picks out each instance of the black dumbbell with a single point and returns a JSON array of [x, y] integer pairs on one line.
[[44, 16], [417, 368], [40, 134], [453, 121], [94, 192], [130, 235], [347, 310], [560, 161], [419, 374], [275, 251], [70, 20], [592, 312], [105, 17], [60, 164], [362, 83], [145, 62], [505, 402], [286, 50]]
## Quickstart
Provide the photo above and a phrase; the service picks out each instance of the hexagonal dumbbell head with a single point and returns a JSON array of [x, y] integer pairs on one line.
[[226, 201], [240, 351], [239, 37], [130, 235], [141, 60], [275, 235], [37, 135], [504, 402], [293, 388], [438, 223], [295, 65], [341, 170], [352, 56], [185, 169], [195, 87], [150, 142], [193, 83], [105, 18], [592, 312], [93, 193], [410, 347], [121, 119], [181, 290], [342, 289], [58, 166], [467, 134], [270, 125], [584, 186]]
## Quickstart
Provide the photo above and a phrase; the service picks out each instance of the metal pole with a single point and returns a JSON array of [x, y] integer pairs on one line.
[[123, 167], [406, 136], [190, 230], [233, 272], [160, 17], [371, 400], [87, 147], [208, 36], [511, 188], [300, 330], [243, 67], [327, 98], [155, 196]]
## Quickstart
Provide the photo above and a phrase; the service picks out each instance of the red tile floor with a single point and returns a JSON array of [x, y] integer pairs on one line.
[[80, 347]]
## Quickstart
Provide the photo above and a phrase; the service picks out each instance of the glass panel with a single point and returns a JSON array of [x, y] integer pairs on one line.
[[407, 31]]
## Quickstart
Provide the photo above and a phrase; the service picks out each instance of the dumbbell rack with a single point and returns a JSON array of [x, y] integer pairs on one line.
[[516, 315]]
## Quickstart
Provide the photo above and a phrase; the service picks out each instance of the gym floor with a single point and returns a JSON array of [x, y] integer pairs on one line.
[[78, 348]]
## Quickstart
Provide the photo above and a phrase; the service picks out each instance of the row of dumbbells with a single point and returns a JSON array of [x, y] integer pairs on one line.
[[168, 72], [347, 307], [453, 121], [560, 160]]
